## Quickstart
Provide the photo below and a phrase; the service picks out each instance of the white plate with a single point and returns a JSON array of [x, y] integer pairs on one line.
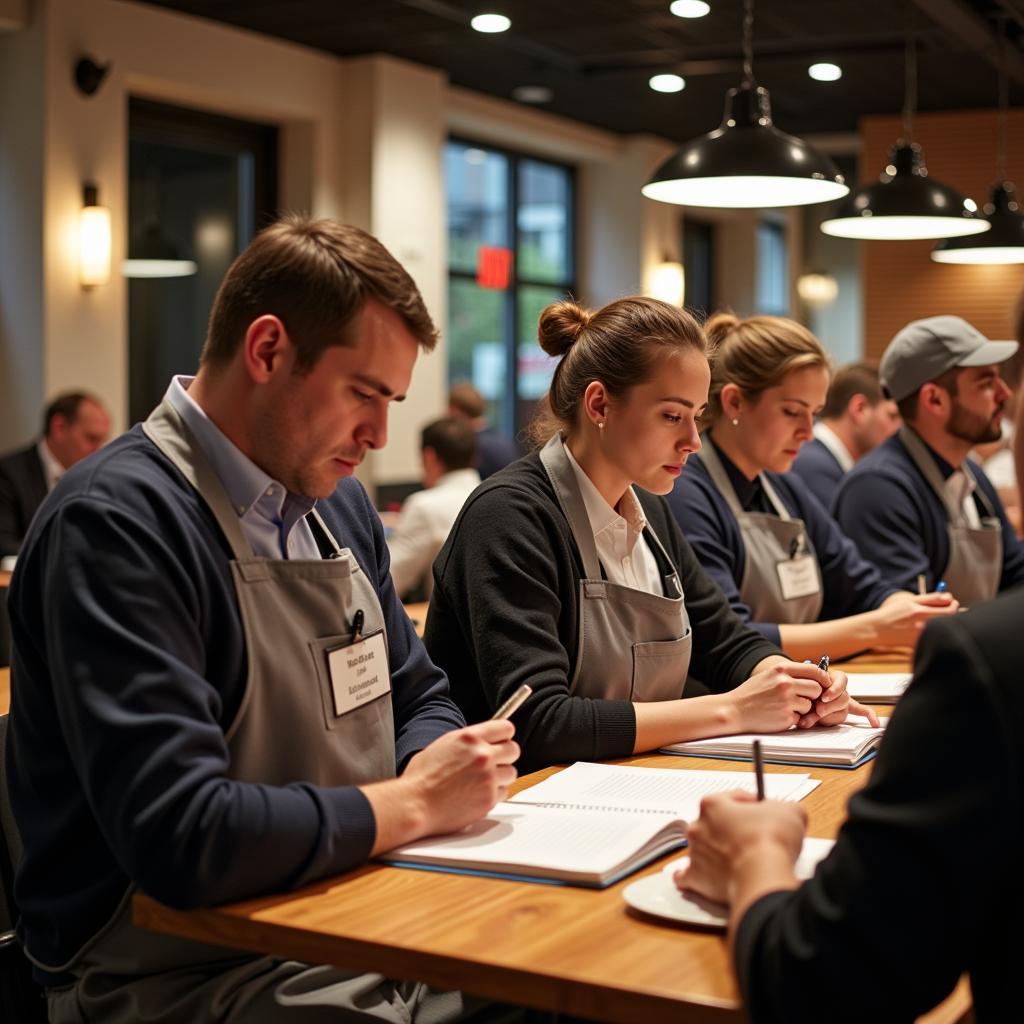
[[658, 895]]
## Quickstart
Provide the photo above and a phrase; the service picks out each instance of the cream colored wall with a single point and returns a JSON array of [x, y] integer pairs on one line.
[[361, 140]]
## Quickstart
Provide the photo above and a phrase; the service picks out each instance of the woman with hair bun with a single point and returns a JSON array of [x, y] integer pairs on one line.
[[779, 557], [558, 573]]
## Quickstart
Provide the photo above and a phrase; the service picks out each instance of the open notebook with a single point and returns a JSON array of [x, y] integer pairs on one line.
[[877, 687], [836, 746], [590, 824]]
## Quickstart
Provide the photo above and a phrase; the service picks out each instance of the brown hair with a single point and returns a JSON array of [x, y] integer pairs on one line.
[[618, 346], [756, 354], [66, 405], [850, 380], [949, 381], [453, 441], [314, 276], [464, 398]]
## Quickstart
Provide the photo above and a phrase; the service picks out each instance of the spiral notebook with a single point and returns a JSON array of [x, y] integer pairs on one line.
[[588, 825]]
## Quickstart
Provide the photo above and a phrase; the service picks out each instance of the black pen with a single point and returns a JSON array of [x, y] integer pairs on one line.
[[759, 769]]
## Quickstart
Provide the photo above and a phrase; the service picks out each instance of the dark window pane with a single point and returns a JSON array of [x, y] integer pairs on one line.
[[477, 185], [543, 220], [772, 270], [476, 341]]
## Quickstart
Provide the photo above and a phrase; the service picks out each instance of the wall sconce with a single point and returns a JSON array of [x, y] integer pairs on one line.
[[667, 282], [817, 289], [93, 240]]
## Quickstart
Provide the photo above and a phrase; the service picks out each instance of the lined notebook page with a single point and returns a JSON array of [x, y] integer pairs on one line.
[[671, 790]]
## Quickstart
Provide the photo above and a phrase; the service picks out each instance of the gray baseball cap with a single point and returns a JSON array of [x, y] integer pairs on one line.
[[926, 349]]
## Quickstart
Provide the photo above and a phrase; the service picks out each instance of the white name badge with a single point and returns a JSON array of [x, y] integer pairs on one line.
[[798, 577], [359, 672]]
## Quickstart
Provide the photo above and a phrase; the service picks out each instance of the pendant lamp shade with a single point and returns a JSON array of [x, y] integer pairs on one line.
[[905, 204], [746, 163], [1003, 243]]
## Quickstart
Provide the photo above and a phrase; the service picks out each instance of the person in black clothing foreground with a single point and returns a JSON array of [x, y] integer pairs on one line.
[[924, 878], [559, 574]]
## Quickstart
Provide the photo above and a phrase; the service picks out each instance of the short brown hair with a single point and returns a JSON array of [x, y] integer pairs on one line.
[[755, 354], [66, 405], [314, 276], [850, 380], [465, 398], [950, 381], [453, 441], [618, 346]]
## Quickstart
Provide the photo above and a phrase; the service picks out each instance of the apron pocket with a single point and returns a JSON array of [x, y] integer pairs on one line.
[[368, 718], [660, 668]]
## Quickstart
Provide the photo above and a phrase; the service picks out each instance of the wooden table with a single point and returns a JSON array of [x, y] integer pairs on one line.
[[5, 690], [556, 948], [418, 613]]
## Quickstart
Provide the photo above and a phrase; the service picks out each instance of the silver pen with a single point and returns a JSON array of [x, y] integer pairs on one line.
[[509, 708]]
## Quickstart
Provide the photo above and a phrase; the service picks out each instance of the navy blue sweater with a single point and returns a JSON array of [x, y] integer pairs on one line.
[[129, 664], [820, 471], [851, 584], [898, 521]]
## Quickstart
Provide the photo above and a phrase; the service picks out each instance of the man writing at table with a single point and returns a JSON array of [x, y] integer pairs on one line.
[[214, 684]]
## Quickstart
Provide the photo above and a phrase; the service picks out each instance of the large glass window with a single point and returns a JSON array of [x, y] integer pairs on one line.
[[510, 253], [772, 269]]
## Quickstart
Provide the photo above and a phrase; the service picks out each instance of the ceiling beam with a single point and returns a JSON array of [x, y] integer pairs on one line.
[[959, 20]]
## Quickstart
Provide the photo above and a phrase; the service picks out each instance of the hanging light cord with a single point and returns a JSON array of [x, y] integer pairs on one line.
[[748, 42], [910, 89], [1004, 102]]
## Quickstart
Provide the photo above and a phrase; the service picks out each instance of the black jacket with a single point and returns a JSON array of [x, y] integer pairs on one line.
[[504, 612], [22, 490], [924, 882]]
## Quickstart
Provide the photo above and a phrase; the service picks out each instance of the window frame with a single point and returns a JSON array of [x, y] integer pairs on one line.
[[511, 324]]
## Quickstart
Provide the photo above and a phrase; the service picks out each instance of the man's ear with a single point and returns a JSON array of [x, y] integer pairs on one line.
[[267, 349], [857, 407]]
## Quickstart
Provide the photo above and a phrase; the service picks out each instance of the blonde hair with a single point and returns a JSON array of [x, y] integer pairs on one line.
[[756, 354], [618, 345]]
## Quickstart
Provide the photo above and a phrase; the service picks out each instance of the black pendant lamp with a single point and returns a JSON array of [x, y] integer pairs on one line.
[[1004, 242], [747, 162], [905, 203]]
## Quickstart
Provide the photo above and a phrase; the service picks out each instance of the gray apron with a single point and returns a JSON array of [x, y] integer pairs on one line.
[[631, 645], [975, 564], [285, 731], [781, 575]]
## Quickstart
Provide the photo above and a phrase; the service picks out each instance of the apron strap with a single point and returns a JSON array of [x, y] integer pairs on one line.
[[169, 432], [560, 473], [713, 463], [317, 524], [922, 458], [990, 512]]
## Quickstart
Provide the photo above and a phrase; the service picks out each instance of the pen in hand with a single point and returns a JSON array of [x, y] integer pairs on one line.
[[759, 769], [508, 709]]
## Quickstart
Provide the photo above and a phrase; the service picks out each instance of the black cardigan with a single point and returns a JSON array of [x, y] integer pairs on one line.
[[504, 612]]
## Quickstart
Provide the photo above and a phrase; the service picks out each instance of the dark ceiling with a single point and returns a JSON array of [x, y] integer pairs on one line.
[[597, 55]]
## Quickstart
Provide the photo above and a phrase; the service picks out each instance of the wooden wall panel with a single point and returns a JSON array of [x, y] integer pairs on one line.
[[900, 281]]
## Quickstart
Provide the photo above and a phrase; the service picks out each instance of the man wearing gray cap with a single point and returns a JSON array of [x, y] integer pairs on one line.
[[916, 506]]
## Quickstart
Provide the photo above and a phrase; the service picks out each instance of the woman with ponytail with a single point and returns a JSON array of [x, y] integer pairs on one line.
[[779, 557], [561, 574]]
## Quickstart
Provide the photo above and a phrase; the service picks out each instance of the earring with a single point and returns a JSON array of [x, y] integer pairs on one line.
[[735, 422], [600, 425]]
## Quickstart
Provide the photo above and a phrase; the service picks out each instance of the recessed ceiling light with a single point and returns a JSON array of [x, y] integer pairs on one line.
[[491, 23], [532, 94], [689, 8], [667, 83], [825, 72]]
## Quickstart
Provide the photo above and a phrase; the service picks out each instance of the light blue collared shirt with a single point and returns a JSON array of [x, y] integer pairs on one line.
[[272, 518]]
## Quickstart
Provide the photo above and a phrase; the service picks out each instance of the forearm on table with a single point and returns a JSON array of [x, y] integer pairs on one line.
[[838, 638], [660, 723], [760, 869]]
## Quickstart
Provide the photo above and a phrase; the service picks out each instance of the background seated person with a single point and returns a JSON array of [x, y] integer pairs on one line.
[[917, 506], [926, 871], [448, 451], [75, 425], [560, 573], [855, 419], [177, 718], [779, 557], [494, 450]]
